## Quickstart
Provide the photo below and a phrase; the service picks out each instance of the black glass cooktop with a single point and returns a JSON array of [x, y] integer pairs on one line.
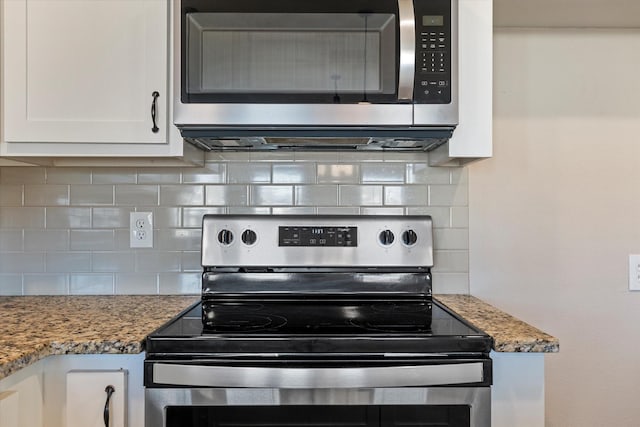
[[317, 326]]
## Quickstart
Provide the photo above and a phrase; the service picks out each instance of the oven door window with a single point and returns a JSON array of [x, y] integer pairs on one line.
[[306, 56], [319, 416]]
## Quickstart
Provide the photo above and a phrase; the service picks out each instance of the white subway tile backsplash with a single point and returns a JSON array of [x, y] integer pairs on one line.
[[22, 262], [421, 173], [46, 240], [11, 241], [316, 195], [360, 195], [114, 176], [46, 195], [460, 176], [46, 284], [178, 239], [91, 240], [10, 195], [439, 215], [112, 262], [27, 217], [271, 195], [132, 195], [338, 210], [91, 284], [451, 238], [110, 217], [68, 176], [460, 216], [137, 284], [406, 195], [246, 210], [10, 284], [68, 262], [192, 217], [68, 217], [383, 172], [249, 173], [91, 195], [450, 261], [48, 247], [382, 211], [227, 195], [450, 283], [159, 176], [22, 175], [149, 262], [300, 173], [210, 173], [448, 195], [293, 211], [338, 173], [191, 261], [179, 283], [182, 195]]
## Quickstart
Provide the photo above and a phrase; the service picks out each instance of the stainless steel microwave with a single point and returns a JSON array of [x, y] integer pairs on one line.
[[384, 71]]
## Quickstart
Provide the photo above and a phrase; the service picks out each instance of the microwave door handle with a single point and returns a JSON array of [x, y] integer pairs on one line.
[[407, 69]]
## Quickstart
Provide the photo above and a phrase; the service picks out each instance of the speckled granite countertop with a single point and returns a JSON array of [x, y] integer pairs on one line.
[[32, 328], [509, 334]]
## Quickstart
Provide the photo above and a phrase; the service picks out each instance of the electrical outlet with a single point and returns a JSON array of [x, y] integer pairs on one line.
[[141, 230], [634, 272]]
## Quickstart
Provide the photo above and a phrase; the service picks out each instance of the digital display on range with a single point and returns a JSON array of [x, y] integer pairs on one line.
[[318, 235]]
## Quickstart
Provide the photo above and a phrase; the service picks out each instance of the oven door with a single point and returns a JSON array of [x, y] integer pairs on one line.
[[194, 394]]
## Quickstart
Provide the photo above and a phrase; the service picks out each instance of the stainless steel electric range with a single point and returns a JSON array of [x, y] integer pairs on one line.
[[317, 321]]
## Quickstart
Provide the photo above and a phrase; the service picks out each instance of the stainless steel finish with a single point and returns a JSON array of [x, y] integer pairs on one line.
[[479, 399], [319, 143], [392, 285], [425, 114], [291, 114], [266, 252], [310, 116], [407, 68], [289, 378]]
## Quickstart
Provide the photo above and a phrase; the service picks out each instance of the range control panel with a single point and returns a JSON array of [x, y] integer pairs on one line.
[[433, 51], [311, 241], [317, 236]]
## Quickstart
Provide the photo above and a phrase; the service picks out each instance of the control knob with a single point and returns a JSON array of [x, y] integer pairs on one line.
[[249, 237], [409, 237], [225, 237], [386, 237]]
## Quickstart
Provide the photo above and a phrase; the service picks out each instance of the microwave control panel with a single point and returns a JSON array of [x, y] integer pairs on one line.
[[433, 51]]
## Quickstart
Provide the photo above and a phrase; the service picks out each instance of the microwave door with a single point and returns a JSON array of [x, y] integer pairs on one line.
[[407, 65]]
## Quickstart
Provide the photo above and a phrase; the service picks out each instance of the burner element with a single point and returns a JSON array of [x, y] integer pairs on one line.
[[240, 322]]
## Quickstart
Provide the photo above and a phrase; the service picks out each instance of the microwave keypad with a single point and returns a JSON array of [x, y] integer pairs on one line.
[[433, 68]]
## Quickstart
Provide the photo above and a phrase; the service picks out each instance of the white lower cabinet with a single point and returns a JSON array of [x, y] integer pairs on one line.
[[21, 398], [75, 393]]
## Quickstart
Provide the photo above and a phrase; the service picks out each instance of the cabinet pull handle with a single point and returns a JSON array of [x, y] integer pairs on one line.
[[155, 95], [105, 415]]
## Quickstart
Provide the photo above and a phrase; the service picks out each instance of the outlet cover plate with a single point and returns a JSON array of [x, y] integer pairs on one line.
[[141, 230], [634, 272]]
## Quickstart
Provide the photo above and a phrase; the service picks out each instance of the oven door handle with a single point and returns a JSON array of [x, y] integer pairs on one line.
[[310, 378]]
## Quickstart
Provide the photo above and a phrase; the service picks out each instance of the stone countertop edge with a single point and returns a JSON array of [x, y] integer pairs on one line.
[[510, 335], [34, 327]]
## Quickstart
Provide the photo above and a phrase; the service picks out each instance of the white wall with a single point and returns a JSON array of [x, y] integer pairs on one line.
[[554, 215]]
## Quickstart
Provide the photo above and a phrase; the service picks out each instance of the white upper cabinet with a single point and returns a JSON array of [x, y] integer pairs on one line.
[[85, 71], [87, 79]]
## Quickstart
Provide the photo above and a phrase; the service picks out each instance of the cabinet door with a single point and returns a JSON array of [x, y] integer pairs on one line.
[[84, 71]]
